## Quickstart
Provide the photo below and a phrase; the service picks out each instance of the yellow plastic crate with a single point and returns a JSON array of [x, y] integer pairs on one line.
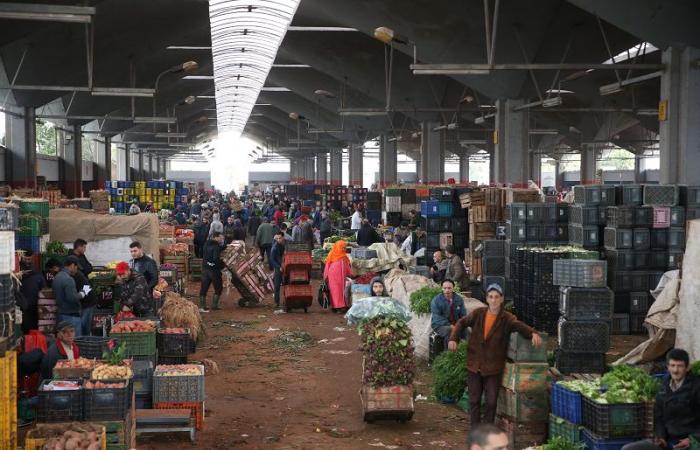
[[8, 401], [37, 443]]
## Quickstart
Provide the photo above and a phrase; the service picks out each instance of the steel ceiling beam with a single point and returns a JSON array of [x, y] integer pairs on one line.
[[47, 13], [485, 69]]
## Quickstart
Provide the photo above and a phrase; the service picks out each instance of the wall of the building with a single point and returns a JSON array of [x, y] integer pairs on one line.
[[268, 177], [190, 176], [614, 176]]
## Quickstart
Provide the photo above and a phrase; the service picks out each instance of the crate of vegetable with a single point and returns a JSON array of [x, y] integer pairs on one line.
[[593, 442], [59, 401], [74, 369], [174, 342], [560, 427], [106, 399], [138, 335], [93, 347], [565, 399], [84, 436], [178, 383]]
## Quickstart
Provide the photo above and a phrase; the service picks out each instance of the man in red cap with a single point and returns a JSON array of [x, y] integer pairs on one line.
[[135, 295]]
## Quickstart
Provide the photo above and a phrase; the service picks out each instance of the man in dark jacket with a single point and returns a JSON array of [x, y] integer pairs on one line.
[[276, 258], [143, 264], [81, 279], [32, 283], [677, 406], [446, 309], [67, 296], [253, 223], [326, 227], [211, 271], [79, 248], [367, 235], [63, 347], [134, 293], [201, 233]]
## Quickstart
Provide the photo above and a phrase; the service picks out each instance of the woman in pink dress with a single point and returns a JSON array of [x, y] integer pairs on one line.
[[335, 273]]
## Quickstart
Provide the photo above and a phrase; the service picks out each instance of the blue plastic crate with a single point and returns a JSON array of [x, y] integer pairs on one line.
[[32, 243], [430, 208], [593, 442], [566, 404], [445, 209]]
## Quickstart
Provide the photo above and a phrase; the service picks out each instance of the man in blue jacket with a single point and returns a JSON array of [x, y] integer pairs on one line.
[[67, 296], [446, 308], [276, 259]]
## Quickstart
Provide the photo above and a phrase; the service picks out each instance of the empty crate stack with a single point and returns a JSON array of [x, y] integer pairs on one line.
[[392, 207], [587, 216], [374, 208], [584, 329], [644, 237], [296, 268], [437, 221], [485, 209], [493, 263], [334, 199]]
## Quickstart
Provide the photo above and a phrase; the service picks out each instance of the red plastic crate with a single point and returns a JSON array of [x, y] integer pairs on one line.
[[298, 276], [298, 296], [296, 261], [196, 408]]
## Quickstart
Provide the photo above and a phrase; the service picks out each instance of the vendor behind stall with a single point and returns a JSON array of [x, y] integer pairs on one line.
[[134, 295], [63, 347], [143, 264], [446, 309], [367, 235]]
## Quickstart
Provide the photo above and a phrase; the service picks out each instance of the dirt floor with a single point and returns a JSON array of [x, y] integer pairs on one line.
[[292, 381]]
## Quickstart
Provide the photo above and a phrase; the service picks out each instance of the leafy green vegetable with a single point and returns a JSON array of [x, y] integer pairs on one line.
[[561, 443], [695, 368], [420, 300], [388, 352], [56, 248], [450, 373], [623, 384]]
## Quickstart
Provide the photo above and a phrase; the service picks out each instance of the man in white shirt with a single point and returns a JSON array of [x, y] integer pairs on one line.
[[356, 220]]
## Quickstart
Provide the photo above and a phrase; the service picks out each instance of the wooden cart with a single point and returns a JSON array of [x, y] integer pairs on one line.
[[387, 403]]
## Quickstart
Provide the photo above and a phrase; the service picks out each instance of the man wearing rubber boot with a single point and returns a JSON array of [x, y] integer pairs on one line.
[[211, 270]]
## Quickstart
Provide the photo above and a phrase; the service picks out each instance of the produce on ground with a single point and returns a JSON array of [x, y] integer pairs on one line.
[[422, 298], [79, 436], [450, 373], [109, 372], [80, 363], [100, 385], [178, 370], [178, 312], [388, 352], [134, 326], [623, 384], [561, 443]]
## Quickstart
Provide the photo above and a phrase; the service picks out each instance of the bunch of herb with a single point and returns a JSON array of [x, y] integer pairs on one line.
[[56, 248], [421, 299], [388, 352], [450, 373], [695, 368], [561, 443]]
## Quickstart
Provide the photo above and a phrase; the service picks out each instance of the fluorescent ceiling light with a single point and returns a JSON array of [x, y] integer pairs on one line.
[[122, 92], [198, 77], [297, 28], [612, 88], [291, 66], [206, 96], [263, 104], [479, 120], [546, 132], [155, 120], [47, 13], [187, 47], [558, 91], [229, 23], [171, 135], [275, 89], [362, 112], [551, 102]]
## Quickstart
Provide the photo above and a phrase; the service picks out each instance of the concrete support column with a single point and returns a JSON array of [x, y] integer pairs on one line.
[[72, 164], [164, 170], [157, 171], [432, 153], [355, 166], [557, 175], [104, 162], [388, 164], [490, 149], [464, 168], [20, 140], [536, 168], [322, 168], [588, 165], [149, 172], [336, 178], [679, 134], [127, 162], [511, 143], [139, 167], [310, 169], [293, 173], [638, 169]]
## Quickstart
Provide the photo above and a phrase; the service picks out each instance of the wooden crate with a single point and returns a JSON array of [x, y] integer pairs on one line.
[[524, 377], [471, 199], [523, 434], [475, 271], [480, 214], [391, 402], [482, 231], [523, 406], [513, 195]]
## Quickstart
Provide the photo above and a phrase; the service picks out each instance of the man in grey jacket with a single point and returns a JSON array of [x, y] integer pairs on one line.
[[67, 296]]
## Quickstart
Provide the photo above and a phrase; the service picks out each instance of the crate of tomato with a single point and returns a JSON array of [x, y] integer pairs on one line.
[[139, 336]]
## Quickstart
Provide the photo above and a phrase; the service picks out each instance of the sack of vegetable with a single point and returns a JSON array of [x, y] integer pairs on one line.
[[376, 307], [388, 352]]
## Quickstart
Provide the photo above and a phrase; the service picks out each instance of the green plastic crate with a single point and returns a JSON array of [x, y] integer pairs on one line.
[[562, 427], [695, 442], [30, 225], [137, 344], [38, 207]]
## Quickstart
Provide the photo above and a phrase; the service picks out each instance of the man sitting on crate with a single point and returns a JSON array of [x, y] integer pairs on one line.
[[677, 407], [64, 347], [447, 308], [134, 294]]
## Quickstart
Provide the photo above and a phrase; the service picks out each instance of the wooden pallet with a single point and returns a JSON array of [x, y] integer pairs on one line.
[[480, 214]]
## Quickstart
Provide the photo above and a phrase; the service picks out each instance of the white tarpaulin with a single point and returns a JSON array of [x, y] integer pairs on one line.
[[688, 330], [389, 256]]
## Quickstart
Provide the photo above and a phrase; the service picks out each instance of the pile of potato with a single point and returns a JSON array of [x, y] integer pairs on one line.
[[100, 385], [74, 440], [107, 372], [134, 326], [178, 370], [80, 363]]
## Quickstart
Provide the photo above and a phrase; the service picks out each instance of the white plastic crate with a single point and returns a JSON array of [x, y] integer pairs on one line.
[[7, 252]]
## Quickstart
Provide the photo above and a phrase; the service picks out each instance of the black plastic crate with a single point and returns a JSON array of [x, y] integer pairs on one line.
[[678, 216], [658, 239], [620, 324], [541, 212], [586, 303], [643, 216], [516, 232], [562, 232], [692, 213], [691, 196], [408, 196], [653, 277], [534, 232], [674, 259], [580, 273], [630, 194], [442, 194], [516, 212], [607, 195], [562, 210], [639, 302], [587, 195], [142, 381], [493, 265], [172, 360], [59, 406], [613, 420], [7, 298], [92, 347], [618, 238], [659, 259], [628, 280], [392, 218], [641, 239], [622, 302], [620, 260], [585, 215], [586, 236], [573, 362], [437, 224], [459, 225], [584, 336], [661, 194], [642, 259], [432, 239], [174, 344], [676, 238], [107, 403], [493, 247], [621, 216], [460, 241], [637, 323]]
